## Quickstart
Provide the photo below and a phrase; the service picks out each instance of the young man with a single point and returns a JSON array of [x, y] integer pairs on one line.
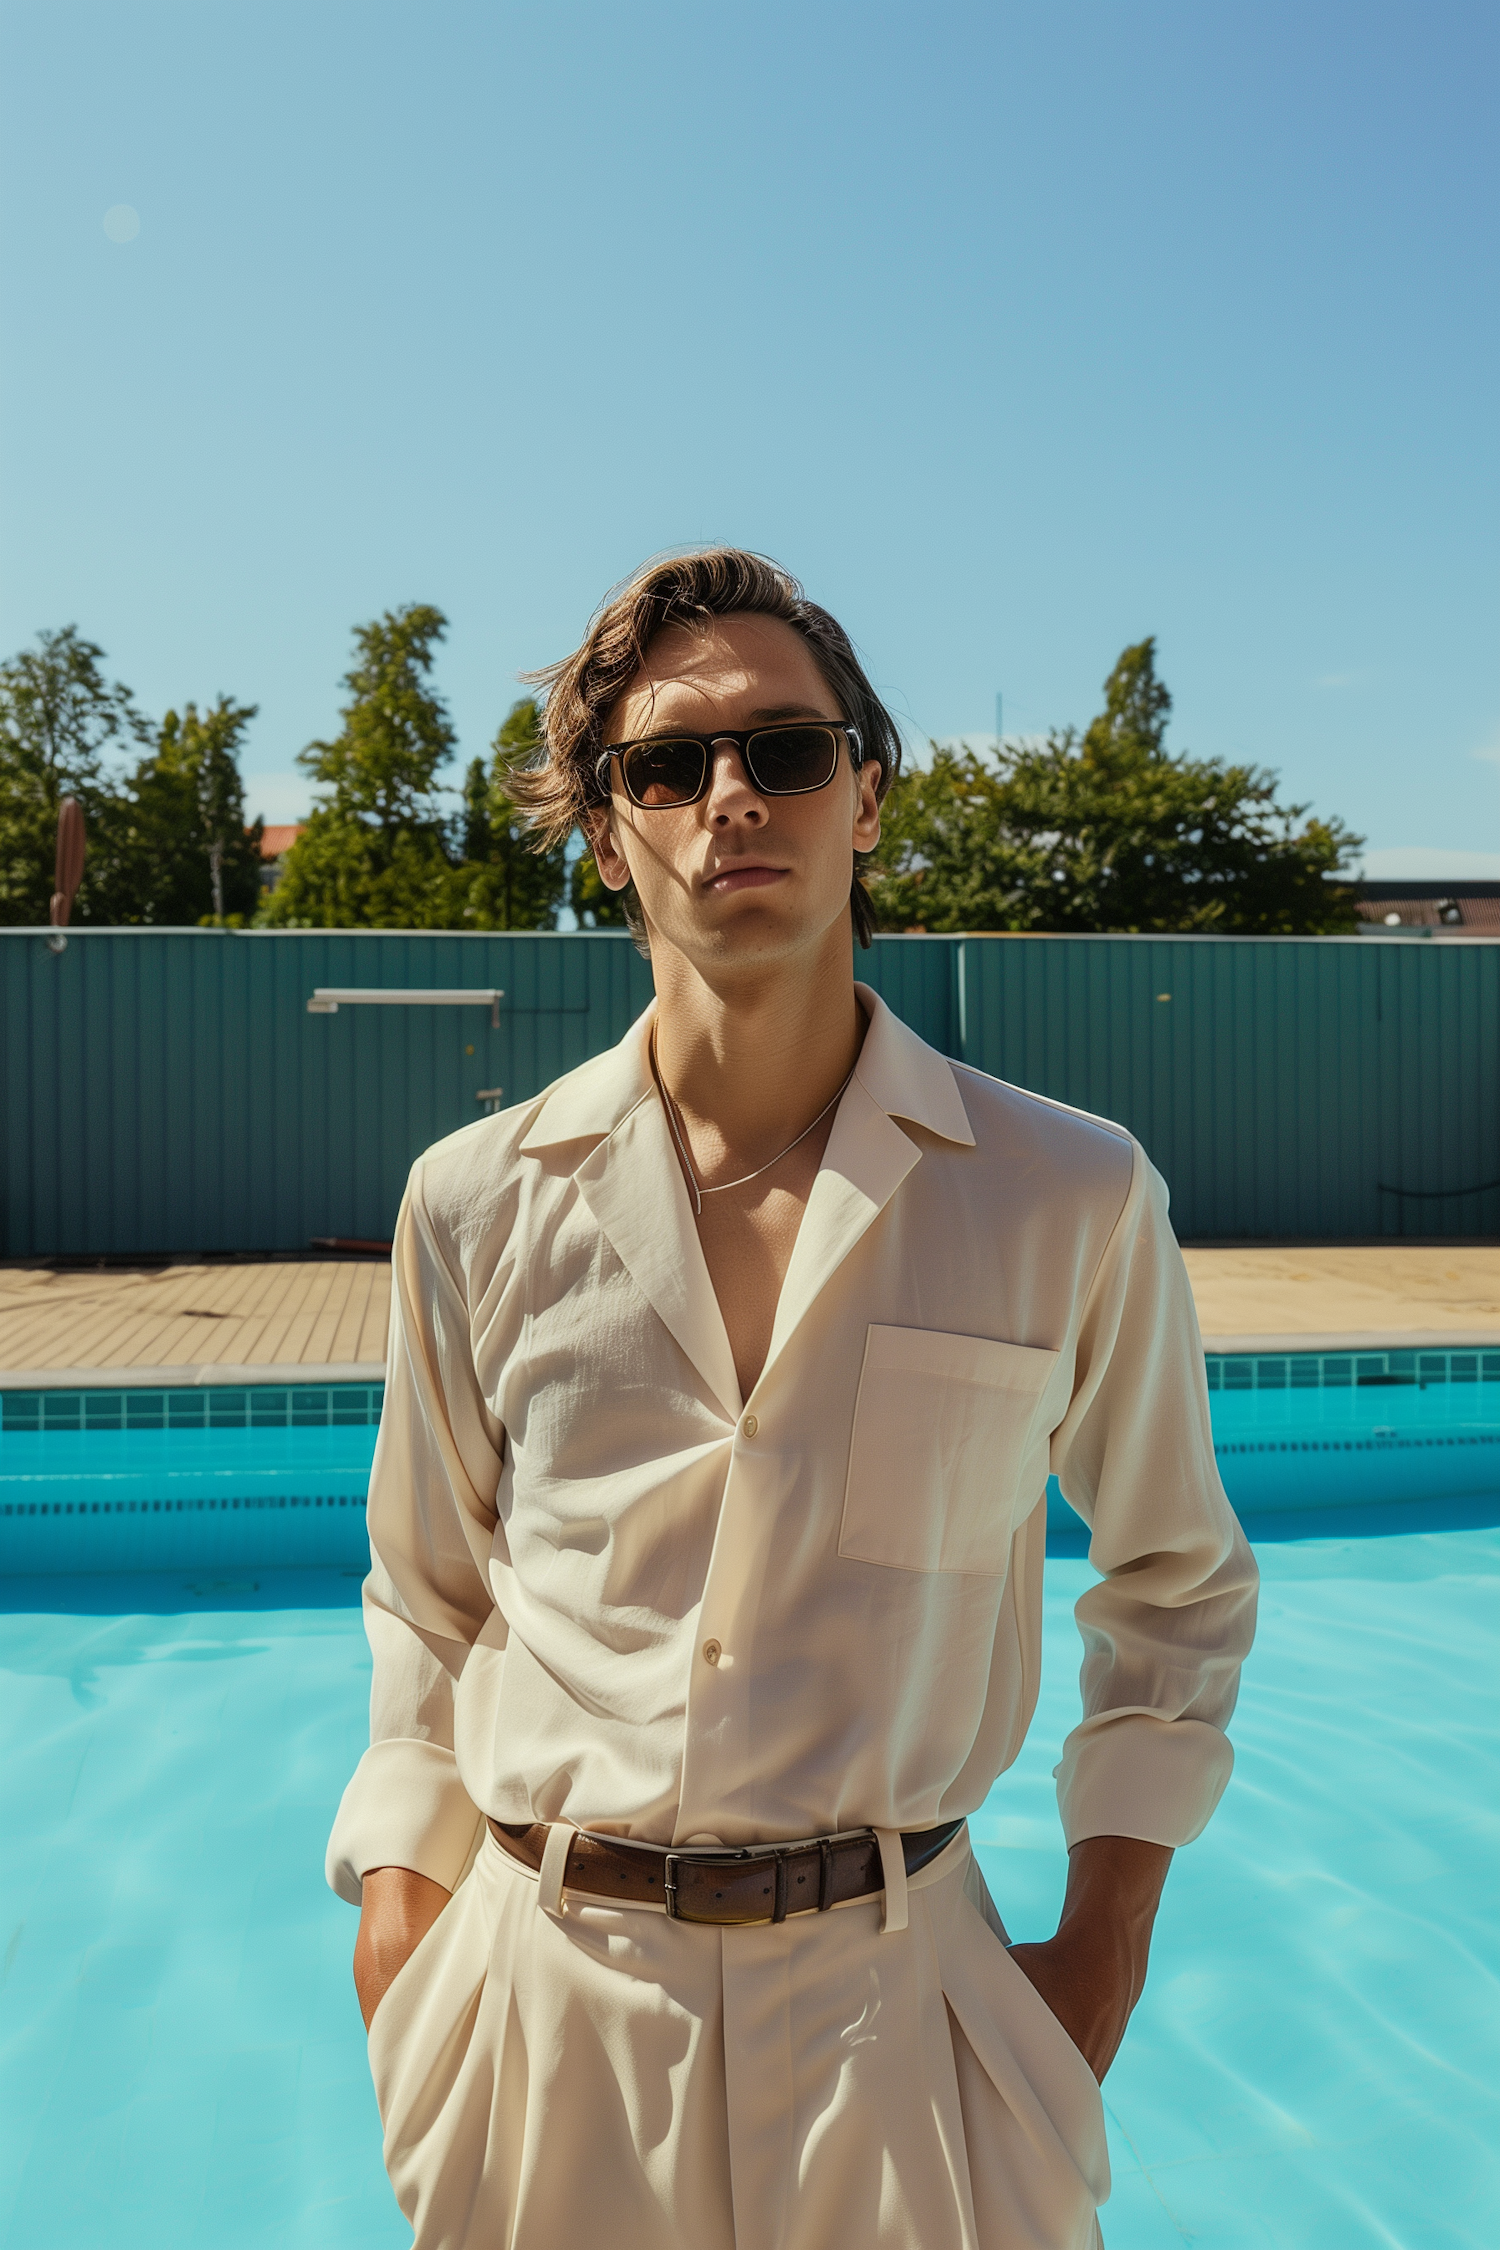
[[707, 1528]]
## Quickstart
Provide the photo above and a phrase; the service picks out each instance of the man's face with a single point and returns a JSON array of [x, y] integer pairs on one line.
[[737, 876]]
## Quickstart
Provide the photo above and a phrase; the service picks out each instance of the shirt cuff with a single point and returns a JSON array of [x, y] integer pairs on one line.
[[404, 1807], [1138, 1775]]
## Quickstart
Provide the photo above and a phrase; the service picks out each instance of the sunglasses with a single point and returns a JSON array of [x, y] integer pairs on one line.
[[674, 769]]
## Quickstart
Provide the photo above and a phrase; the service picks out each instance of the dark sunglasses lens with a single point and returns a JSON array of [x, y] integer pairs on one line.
[[787, 760], [663, 772]]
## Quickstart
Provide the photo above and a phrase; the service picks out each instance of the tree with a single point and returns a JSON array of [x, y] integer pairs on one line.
[[1108, 833], [60, 719], [382, 766], [505, 883], [373, 854], [180, 848]]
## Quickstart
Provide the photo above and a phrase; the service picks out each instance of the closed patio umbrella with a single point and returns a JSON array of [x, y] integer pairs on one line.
[[70, 853]]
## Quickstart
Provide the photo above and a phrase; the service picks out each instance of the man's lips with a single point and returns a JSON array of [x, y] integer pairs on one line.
[[751, 877]]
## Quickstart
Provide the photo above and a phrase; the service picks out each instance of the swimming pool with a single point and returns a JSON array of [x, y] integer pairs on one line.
[[1315, 2062], [276, 1476], [161, 1479]]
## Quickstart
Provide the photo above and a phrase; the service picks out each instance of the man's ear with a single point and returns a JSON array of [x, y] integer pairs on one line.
[[867, 807], [599, 832]]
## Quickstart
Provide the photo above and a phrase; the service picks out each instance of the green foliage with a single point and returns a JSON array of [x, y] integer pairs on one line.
[[1104, 832], [504, 883], [166, 841], [374, 853], [179, 850], [382, 766], [1110, 833], [379, 853], [59, 721], [344, 874]]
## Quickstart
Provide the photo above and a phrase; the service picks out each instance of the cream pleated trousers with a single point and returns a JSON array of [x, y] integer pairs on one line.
[[602, 2075]]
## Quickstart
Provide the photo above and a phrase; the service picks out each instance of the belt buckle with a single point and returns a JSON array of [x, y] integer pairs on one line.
[[674, 1860], [745, 1856]]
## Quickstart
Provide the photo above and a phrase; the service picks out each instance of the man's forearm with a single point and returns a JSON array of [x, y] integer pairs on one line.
[[398, 1909], [1092, 1973]]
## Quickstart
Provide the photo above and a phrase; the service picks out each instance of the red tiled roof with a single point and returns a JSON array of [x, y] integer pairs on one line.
[[275, 841]]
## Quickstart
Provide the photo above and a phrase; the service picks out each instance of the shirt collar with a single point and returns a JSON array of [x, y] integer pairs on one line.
[[591, 1101], [901, 1074], [907, 1078]]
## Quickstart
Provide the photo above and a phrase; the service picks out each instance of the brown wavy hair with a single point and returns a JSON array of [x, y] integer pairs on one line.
[[562, 782]]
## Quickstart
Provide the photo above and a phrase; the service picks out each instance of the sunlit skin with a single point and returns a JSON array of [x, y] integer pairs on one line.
[[746, 902]]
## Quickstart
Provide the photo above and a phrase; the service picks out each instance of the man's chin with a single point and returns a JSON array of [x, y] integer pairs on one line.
[[758, 927]]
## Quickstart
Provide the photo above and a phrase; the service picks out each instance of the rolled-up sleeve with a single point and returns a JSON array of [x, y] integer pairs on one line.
[[1168, 1627], [431, 1520]]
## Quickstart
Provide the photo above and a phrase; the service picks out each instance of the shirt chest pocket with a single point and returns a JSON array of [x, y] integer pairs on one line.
[[948, 1438]]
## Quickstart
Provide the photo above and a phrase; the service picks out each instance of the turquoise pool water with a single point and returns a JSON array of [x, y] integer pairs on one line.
[[132, 1480], [1316, 2060], [262, 1477]]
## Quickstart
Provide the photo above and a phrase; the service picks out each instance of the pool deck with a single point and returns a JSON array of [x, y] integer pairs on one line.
[[1355, 1297], [324, 1320], [287, 1321]]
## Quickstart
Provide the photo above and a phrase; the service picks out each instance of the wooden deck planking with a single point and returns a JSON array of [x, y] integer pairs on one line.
[[293, 1314], [1377, 1293], [356, 1335], [265, 1307], [321, 1313], [88, 1326], [306, 1325], [178, 1318]]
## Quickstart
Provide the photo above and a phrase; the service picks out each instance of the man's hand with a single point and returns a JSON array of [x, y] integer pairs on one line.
[[399, 1909], [1092, 1973]]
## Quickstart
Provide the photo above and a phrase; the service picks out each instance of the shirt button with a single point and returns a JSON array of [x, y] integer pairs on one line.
[[749, 1426], [712, 1651]]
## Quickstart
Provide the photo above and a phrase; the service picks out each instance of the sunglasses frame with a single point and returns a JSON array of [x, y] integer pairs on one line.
[[741, 739]]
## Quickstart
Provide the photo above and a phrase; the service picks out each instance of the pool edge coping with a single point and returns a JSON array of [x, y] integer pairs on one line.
[[1355, 1340], [210, 1374], [207, 1375]]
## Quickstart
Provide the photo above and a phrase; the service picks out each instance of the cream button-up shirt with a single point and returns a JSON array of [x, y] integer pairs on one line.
[[608, 1590]]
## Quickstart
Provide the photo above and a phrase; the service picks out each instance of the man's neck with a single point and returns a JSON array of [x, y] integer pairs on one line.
[[753, 1053]]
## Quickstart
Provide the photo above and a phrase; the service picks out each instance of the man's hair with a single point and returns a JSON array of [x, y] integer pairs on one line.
[[558, 786]]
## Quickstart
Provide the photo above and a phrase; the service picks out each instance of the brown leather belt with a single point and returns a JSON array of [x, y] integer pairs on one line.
[[761, 1883]]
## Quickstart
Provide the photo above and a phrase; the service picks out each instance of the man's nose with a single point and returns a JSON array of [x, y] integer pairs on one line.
[[732, 795]]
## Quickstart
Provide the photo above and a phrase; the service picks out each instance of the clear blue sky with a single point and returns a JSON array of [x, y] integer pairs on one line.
[[1017, 331]]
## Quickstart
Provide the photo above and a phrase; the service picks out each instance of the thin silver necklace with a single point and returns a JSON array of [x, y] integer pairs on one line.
[[679, 1135]]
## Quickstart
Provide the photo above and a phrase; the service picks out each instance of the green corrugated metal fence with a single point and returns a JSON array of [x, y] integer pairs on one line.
[[1315, 1088], [168, 1091]]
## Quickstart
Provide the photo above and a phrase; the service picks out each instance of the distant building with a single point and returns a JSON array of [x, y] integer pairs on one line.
[[1459, 906], [275, 843]]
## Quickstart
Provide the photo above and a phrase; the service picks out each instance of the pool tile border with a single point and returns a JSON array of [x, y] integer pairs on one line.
[[264, 1406], [294, 1406], [1314, 1371]]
